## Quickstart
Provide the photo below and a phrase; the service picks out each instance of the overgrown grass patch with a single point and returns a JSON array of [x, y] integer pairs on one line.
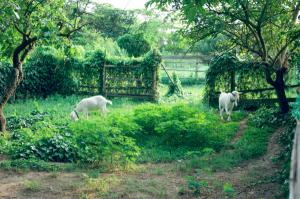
[[132, 132], [253, 143], [36, 165]]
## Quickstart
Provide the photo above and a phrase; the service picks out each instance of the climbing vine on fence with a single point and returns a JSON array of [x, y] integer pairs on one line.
[[136, 77], [227, 73], [50, 71]]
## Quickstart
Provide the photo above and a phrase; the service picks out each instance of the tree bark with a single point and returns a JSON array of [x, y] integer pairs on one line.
[[279, 86], [19, 56], [280, 90], [12, 85], [282, 100], [3, 121]]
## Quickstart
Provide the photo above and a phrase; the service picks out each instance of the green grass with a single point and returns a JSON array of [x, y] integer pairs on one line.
[[252, 144], [122, 113], [36, 165]]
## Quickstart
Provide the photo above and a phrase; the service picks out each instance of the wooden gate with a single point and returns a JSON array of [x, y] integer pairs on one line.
[[134, 81]]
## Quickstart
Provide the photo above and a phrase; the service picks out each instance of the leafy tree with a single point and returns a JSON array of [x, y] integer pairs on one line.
[[111, 22], [27, 23], [268, 30], [135, 44]]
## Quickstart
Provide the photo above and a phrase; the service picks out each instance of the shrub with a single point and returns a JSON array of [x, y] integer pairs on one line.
[[134, 44], [183, 125], [266, 117], [100, 143], [43, 141], [17, 122], [149, 116], [125, 123], [44, 63]]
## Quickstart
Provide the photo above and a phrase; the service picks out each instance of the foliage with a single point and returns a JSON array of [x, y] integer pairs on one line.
[[32, 164], [268, 118], [247, 28], [195, 186], [184, 126], [284, 158], [140, 75], [234, 19], [111, 22], [142, 133], [5, 71], [43, 63], [17, 122], [208, 45], [227, 69], [175, 86], [134, 44], [71, 70], [99, 142], [247, 148], [190, 81], [227, 188]]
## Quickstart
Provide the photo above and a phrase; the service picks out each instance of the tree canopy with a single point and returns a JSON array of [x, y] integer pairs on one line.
[[25, 23], [267, 30], [111, 22]]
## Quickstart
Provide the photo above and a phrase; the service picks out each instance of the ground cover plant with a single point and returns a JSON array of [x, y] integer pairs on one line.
[[181, 134], [149, 132]]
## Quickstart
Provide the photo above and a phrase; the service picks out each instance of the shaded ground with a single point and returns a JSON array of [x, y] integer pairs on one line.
[[252, 179]]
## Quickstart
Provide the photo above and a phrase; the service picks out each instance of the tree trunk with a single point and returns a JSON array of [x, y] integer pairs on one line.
[[9, 91], [2, 121], [19, 56], [279, 86], [282, 100], [280, 90]]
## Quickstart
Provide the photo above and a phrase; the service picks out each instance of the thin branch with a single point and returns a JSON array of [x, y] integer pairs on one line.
[[20, 31], [68, 34]]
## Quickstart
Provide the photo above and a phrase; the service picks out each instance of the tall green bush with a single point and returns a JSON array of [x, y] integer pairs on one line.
[[135, 44]]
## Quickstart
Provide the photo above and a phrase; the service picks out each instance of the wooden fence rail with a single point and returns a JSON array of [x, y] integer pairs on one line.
[[262, 89], [187, 70]]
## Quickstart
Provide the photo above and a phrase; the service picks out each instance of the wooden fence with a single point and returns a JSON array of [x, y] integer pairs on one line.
[[252, 103], [129, 81], [187, 63], [134, 81], [294, 180]]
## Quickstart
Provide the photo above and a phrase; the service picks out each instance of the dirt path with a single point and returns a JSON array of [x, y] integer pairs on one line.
[[252, 179], [243, 126]]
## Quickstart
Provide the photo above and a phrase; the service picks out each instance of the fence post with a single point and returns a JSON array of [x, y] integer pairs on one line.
[[104, 81], [196, 70], [232, 81], [295, 166], [154, 84]]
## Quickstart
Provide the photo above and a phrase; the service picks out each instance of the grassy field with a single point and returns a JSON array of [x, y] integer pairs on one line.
[[176, 148]]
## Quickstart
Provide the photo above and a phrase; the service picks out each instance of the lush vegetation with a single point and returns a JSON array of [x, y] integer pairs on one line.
[[53, 53], [146, 134]]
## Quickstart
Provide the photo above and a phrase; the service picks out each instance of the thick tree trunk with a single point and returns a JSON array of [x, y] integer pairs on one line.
[[12, 86], [19, 56], [279, 86], [282, 100]]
